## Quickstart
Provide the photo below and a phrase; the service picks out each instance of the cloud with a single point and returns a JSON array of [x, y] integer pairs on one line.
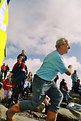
[[10, 62], [11, 49], [36, 25], [33, 65], [76, 66], [72, 61]]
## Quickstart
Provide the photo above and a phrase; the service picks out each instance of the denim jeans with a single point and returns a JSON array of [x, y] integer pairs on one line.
[[66, 95], [41, 88]]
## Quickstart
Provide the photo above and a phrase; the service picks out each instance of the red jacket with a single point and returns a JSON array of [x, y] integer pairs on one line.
[[3, 68], [66, 87], [22, 65], [5, 83]]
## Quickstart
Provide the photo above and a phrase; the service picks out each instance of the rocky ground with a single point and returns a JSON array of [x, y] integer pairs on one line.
[[63, 115]]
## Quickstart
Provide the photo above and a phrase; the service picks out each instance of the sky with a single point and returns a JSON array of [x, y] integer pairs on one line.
[[35, 25]]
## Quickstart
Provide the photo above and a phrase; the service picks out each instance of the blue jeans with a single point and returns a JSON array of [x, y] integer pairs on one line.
[[41, 88], [66, 95]]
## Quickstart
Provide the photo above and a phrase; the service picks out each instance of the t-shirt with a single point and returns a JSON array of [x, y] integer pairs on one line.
[[52, 64]]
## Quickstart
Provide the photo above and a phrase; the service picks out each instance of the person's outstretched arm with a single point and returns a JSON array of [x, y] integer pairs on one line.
[[69, 72]]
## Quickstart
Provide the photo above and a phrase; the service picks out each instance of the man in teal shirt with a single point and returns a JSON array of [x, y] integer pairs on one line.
[[43, 83], [74, 78], [52, 64]]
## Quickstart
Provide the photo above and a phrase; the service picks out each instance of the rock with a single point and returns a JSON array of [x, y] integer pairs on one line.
[[63, 115], [73, 94], [3, 112], [23, 118], [1, 94], [29, 117], [75, 97], [67, 115]]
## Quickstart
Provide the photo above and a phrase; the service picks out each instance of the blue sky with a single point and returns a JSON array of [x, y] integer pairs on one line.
[[35, 25]]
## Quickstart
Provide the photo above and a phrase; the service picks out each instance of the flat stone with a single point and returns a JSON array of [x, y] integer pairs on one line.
[[70, 114], [3, 112], [22, 118]]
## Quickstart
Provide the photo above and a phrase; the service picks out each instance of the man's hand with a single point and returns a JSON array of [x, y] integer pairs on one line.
[[46, 100], [70, 68]]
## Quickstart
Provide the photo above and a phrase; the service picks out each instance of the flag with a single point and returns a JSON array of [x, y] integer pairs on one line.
[[3, 27]]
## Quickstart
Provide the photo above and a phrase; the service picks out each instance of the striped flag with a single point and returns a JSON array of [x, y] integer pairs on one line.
[[3, 28]]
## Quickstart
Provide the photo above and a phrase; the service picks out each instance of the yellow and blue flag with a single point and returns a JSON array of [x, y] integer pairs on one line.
[[3, 27]]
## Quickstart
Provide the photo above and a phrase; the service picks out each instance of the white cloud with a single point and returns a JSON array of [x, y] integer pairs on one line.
[[33, 65], [10, 62], [36, 25], [11, 49], [72, 61], [76, 66]]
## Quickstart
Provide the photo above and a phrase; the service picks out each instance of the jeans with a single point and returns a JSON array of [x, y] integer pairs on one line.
[[41, 88], [66, 95]]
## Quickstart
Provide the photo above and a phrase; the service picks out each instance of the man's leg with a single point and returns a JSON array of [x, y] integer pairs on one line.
[[56, 98], [14, 109], [25, 105], [51, 116]]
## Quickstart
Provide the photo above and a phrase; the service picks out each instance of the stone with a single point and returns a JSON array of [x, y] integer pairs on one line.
[[1, 94], [67, 115], [75, 97], [3, 112]]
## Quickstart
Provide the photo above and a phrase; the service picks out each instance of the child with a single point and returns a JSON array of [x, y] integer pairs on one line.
[[7, 85], [28, 85]]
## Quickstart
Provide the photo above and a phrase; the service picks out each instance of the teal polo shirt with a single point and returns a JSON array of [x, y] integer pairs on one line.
[[52, 64]]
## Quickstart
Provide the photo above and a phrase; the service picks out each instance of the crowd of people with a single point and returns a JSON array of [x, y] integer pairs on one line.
[[76, 86], [43, 86], [17, 81], [4, 70]]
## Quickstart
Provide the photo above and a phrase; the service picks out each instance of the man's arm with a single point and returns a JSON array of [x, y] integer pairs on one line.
[[69, 72]]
